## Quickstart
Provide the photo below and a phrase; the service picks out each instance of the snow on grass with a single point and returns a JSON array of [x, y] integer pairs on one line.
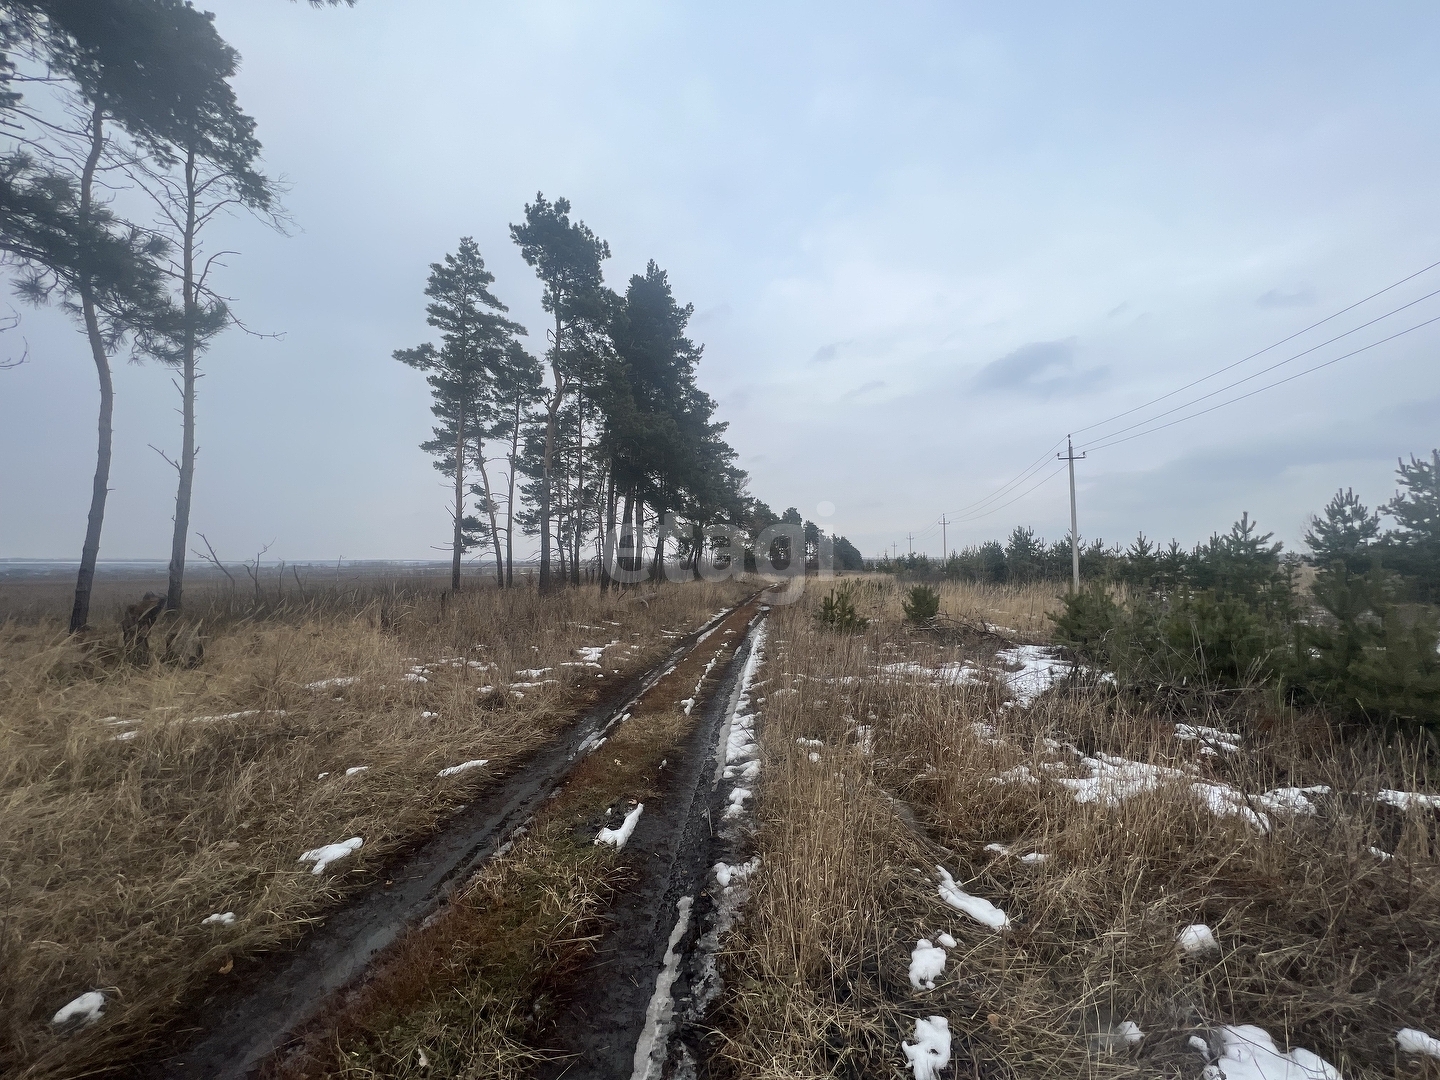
[[1020, 774], [464, 766], [324, 856], [929, 1054], [810, 742], [357, 769], [533, 673], [978, 908], [952, 674], [220, 918], [1211, 739], [617, 837], [337, 681], [1129, 1032], [1380, 853], [410, 676], [1196, 939], [1246, 1052], [1403, 800], [1040, 667], [1413, 1041], [1035, 858], [749, 771], [727, 874], [1114, 779], [85, 1008], [946, 940], [737, 799], [927, 963], [241, 715]]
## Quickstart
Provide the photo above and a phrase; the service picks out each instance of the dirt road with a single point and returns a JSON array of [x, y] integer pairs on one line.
[[623, 995]]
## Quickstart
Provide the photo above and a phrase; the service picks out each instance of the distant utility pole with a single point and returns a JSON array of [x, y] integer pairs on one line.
[[893, 551], [944, 541], [911, 537], [1069, 456]]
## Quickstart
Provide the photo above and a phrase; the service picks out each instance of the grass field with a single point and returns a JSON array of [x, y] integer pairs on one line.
[[138, 800], [879, 771]]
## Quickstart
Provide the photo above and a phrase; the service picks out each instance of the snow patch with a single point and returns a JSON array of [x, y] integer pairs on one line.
[[220, 918], [1403, 800], [1246, 1052], [929, 1054], [978, 908], [617, 837], [927, 963], [462, 767], [1197, 938], [85, 1008], [338, 680], [1413, 1041], [324, 856]]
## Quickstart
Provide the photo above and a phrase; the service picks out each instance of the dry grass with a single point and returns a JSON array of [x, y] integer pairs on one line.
[[1016, 611], [1324, 944], [114, 850], [480, 990]]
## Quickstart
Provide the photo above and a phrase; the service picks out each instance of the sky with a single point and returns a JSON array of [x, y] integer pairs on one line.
[[923, 243]]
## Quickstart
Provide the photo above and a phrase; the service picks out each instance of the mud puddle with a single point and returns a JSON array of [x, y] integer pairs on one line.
[[242, 1026]]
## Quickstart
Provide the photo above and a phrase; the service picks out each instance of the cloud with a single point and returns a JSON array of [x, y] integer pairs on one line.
[[1279, 298], [826, 353], [876, 384], [1040, 369]]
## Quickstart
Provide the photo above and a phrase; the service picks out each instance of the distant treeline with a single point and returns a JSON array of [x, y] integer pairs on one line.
[[1360, 641]]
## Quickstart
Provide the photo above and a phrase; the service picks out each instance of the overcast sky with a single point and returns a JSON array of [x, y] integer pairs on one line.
[[923, 242]]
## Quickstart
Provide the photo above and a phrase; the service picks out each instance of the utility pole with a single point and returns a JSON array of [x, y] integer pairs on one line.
[[911, 537], [893, 551], [944, 542], [1069, 456]]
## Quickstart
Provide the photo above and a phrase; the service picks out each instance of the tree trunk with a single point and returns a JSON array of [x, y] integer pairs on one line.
[[657, 569], [90, 552], [187, 398], [490, 506], [637, 557], [459, 495], [627, 528], [608, 525], [510, 500], [551, 423], [579, 509]]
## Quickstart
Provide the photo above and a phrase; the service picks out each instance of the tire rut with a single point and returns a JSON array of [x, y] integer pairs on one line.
[[241, 1028]]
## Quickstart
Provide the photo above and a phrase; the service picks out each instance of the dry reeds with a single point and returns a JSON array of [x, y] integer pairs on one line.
[[1323, 942], [135, 801]]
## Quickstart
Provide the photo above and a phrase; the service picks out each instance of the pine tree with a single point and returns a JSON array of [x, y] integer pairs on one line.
[[475, 343], [566, 257], [1347, 533], [132, 66], [1413, 549]]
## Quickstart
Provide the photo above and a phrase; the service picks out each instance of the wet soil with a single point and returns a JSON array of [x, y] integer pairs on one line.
[[603, 1012], [266, 1001]]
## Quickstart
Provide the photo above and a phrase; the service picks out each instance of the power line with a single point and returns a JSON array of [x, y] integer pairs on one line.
[[1262, 352], [1261, 389], [971, 511], [1272, 367]]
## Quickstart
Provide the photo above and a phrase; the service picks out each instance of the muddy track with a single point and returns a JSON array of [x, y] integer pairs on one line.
[[240, 1027], [627, 1010]]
